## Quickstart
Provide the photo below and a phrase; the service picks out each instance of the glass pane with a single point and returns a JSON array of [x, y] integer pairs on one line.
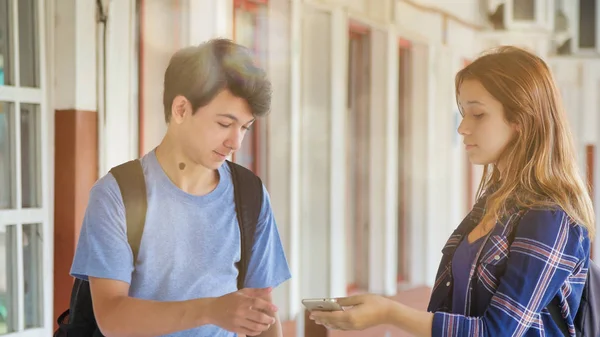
[[32, 274], [7, 178], [8, 280], [28, 44], [30, 155], [524, 10], [6, 69], [587, 24]]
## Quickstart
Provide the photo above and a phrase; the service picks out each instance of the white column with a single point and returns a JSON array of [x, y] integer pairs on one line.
[[390, 243], [442, 129], [295, 125], [337, 180], [417, 133], [314, 162], [76, 62], [209, 19], [280, 153], [457, 168], [47, 30], [119, 136], [432, 181], [160, 40], [377, 166]]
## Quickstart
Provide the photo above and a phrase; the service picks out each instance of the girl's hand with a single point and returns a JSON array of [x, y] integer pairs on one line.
[[360, 312]]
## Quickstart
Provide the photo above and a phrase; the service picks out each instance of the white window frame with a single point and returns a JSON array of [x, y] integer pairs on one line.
[[543, 17], [18, 216]]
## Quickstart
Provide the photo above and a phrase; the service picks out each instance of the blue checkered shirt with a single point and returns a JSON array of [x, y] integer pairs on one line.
[[511, 285]]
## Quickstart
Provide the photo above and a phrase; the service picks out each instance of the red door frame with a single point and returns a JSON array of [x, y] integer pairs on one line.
[[404, 45]]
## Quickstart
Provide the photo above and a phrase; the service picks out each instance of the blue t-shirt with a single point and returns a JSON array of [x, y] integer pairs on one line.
[[189, 246], [462, 261]]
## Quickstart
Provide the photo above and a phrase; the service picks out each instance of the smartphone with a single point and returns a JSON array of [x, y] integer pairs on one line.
[[322, 304]]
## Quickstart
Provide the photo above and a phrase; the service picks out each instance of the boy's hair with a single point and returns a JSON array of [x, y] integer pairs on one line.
[[199, 73]]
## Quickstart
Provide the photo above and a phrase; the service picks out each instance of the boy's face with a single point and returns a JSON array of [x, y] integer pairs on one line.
[[215, 131]]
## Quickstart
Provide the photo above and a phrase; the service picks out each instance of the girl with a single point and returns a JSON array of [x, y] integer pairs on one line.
[[525, 246]]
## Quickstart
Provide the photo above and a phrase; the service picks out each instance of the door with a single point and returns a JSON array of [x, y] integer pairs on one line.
[[357, 147], [251, 30]]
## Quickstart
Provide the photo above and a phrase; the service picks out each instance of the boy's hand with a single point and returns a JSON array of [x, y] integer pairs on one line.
[[243, 311]]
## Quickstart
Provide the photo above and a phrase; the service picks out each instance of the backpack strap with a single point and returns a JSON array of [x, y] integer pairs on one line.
[[248, 194], [130, 177]]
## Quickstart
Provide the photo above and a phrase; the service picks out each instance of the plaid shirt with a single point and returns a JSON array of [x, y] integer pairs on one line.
[[511, 285]]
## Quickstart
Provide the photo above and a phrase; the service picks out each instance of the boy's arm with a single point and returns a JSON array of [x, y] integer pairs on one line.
[[268, 265], [117, 314]]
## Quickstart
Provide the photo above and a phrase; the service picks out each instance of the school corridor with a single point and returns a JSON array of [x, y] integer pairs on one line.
[[366, 172]]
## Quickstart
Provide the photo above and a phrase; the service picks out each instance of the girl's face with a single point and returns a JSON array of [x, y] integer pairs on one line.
[[485, 131]]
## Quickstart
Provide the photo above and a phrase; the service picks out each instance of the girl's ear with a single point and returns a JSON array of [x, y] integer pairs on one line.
[[517, 127]]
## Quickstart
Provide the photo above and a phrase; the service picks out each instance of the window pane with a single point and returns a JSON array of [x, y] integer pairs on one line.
[[6, 69], [30, 155], [524, 10], [7, 178], [28, 44], [587, 24], [8, 280], [32, 274]]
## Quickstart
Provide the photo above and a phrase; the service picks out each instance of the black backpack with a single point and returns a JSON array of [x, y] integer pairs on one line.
[[79, 320], [587, 320]]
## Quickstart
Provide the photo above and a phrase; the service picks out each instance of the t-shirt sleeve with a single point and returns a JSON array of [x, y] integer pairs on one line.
[[268, 265], [102, 250]]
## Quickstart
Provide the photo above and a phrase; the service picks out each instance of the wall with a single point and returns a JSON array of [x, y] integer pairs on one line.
[[72, 61], [119, 134], [579, 81]]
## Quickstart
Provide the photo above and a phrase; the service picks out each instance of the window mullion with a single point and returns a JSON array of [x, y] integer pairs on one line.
[[15, 44], [20, 279]]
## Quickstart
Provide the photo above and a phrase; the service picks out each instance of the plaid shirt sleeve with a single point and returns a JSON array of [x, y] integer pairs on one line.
[[544, 253]]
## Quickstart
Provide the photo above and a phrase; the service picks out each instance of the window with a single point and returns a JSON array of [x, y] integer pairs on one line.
[[24, 213], [523, 14], [250, 30], [576, 27], [587, 24], [524, 10]]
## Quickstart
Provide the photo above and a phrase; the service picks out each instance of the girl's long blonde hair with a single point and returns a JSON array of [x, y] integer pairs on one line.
[[539, 165]]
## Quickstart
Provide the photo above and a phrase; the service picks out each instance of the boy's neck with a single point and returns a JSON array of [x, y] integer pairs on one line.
[[190, 177]]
